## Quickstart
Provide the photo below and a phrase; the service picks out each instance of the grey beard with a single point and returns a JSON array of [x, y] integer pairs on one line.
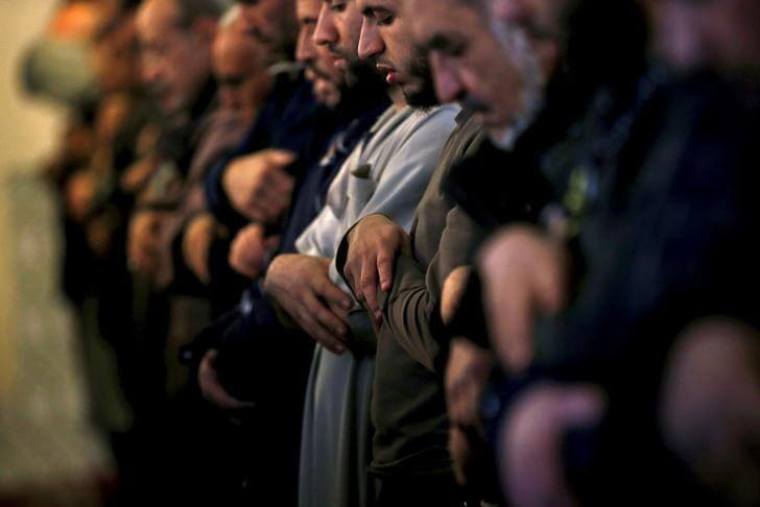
[[516, 44]]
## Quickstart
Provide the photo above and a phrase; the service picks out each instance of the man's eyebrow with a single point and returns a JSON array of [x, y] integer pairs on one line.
[[308, 20], [372, 9], [443, 42]]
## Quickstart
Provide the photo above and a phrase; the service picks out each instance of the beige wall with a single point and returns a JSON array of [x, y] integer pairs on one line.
[[28, 131], [27, 128], [45, 434]]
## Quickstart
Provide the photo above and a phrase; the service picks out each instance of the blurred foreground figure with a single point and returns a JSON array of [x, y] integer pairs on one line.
[[604, 317]]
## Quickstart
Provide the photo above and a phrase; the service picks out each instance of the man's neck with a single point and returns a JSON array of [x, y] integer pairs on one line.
[[397, 98]]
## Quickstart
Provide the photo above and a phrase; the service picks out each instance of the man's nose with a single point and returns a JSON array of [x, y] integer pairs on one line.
[[325, 33], [305, 50], [448, 86], [370, 43]]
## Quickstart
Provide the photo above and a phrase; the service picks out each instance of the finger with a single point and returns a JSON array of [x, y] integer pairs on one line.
[[507, 321], [385, 270], [257, 210], [454, 397], [281, 182], [277, 180], [332, 294], [325, 317], [203, 273], [235, 262], [349, 273], [551, 285], [276, 196], [318, 332], [519, 332], [264, 194], [240, 263], [471, 402], [368, 285], [281, 157], [533, 436], [199, 266], [532, 460], [278, 203], [580, 405], [269, 205], [232, 257], [215, 393], [211, 387]]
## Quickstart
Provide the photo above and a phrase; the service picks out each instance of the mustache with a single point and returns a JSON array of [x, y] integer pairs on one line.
[[335, 50], [156, 90], [318, 71]]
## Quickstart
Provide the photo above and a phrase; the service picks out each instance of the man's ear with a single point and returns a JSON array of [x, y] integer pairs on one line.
[[205, 29]]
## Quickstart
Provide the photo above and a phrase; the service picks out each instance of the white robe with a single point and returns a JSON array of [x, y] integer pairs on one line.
[[387, 173]]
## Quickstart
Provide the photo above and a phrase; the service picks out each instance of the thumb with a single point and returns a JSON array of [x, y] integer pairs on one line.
[[581, 405], [281, 157]]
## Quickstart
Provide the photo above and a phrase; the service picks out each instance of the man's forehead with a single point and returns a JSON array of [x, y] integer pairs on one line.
[[158, 13], [234, 62], [308, 10], [437, 10], [441, 19]]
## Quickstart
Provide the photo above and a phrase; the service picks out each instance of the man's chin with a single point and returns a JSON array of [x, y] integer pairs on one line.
[[340, 63], [326, 93], [501, 135], [420, 97], [169, 105]]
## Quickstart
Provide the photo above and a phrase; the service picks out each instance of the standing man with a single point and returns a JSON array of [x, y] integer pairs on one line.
[[176, 39], [252, 356], [385, 174], [404, 287]]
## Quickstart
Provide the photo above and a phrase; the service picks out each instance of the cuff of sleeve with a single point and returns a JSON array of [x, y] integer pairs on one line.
[[217, 200]]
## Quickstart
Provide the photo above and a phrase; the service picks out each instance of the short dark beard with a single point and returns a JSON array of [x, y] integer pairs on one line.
[[364, 75], [419, 69]]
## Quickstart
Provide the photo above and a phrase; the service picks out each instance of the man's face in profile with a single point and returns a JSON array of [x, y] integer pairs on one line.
[[272, 23], [499, 78], [387, 39], [327, 79], [239, 69], [175, 60]]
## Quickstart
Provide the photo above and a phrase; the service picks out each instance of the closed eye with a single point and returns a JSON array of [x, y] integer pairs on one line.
[[337, 6]]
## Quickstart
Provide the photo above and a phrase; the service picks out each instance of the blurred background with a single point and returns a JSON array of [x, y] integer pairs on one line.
[[49, 452]]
